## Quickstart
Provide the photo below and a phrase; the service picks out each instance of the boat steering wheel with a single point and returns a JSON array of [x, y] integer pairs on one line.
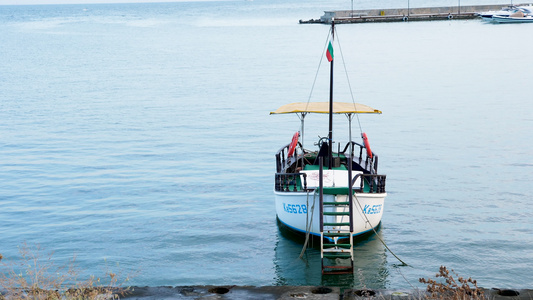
[[321, 141]]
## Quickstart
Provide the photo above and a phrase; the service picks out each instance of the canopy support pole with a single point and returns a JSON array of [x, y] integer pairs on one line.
[[349, 116], [302, 117]]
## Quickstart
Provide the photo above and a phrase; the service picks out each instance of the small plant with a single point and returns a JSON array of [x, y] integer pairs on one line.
[[38, 278], [460, 289]]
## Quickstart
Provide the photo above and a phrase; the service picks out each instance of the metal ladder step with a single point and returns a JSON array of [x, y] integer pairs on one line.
[[337, 270], [336, 213], [338, 255], [336, 224], [338, 229], [336, 203], [346, 246], [335, 250], [336, 234]]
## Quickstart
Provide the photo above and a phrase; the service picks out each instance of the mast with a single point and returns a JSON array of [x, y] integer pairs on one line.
[[330, 137]]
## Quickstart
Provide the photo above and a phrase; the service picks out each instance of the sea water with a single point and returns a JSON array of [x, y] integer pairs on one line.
[[137, 138]]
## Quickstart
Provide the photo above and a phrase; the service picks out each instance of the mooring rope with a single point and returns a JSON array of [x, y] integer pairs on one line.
[[361, 130], [375, 232], [406, 280], [308, 223]]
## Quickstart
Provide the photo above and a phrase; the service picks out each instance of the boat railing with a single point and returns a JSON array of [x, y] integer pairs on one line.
[[368, 163], [370, 183], [297, 182], [282, 159], [290, 182]]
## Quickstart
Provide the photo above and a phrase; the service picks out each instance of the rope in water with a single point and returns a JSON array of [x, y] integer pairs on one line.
[[361, 129], [375, 232], [308, 223]]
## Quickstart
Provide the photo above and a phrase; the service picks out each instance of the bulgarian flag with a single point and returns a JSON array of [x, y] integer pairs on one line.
[[329, 52]]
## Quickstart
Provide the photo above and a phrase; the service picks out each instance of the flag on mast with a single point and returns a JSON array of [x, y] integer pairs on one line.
[[329, 52]]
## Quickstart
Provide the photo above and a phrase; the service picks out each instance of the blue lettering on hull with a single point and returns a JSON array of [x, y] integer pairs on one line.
[[371, 210], [295, 208]]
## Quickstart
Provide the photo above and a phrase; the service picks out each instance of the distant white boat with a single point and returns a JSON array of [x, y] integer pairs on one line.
[[518, 15], [506, 12], [502, 19], [487, 15]]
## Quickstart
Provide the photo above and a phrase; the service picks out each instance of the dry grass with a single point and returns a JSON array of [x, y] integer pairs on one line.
[[36, 277], [451, 288]]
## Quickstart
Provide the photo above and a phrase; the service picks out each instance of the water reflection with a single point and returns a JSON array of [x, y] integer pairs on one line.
[[369, 266]]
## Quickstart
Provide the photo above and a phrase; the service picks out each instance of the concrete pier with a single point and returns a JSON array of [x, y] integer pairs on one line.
[[406, 14], [299, 292]]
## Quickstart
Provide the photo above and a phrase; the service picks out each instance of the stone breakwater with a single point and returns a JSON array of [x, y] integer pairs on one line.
[[299, 292], [407, 14]]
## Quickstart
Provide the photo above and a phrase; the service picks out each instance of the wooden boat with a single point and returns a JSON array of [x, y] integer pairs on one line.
[[331, 195]]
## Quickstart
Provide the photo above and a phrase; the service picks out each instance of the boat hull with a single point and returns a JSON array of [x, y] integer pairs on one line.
[[504, 19], [300, 211]]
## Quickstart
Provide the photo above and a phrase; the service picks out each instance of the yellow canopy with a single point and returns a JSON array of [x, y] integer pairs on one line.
[[323, 108]]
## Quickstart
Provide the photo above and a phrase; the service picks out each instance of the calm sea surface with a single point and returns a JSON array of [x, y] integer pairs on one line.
[[137, 137]]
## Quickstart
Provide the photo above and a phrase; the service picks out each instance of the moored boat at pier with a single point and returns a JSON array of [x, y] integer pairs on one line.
[[510, 14]]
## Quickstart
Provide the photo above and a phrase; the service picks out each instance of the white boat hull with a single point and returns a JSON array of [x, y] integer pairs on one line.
[[300, 211], [503, 19]]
